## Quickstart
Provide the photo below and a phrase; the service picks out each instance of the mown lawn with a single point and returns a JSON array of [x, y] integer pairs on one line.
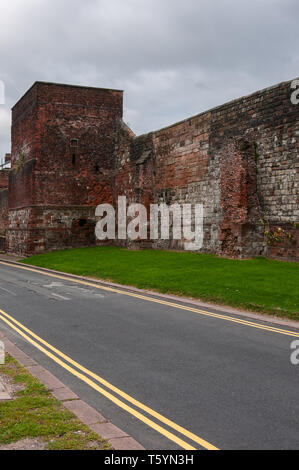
[[258, 284]]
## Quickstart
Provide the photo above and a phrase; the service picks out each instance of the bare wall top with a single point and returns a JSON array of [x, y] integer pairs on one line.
[[62, 143]]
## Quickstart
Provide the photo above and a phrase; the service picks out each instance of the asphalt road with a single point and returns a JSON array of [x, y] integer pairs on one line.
[[228, 382]]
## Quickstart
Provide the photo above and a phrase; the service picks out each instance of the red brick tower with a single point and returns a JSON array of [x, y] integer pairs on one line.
[[63, 142]]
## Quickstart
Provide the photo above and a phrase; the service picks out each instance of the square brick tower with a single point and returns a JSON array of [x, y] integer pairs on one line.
[[63, 143]]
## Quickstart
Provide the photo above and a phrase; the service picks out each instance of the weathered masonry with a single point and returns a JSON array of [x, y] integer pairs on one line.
[[63, 143], [71, 151]]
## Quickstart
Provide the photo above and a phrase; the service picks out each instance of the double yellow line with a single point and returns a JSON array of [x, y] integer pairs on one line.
[[84, 373], [21, 329]]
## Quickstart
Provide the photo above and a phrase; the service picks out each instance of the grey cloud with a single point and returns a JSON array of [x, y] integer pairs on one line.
[[172, 58]]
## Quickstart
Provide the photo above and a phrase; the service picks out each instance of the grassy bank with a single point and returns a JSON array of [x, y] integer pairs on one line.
[[257, 284], [35, 413]]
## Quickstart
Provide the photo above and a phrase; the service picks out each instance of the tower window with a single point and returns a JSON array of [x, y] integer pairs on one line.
[[74, 159], [74, 143]]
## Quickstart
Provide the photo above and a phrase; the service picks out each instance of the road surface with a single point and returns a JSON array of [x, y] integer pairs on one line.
[[172, 375]]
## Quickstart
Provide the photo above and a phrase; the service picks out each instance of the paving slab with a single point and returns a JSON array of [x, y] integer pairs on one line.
[[108, 431], [84, 412], [64, 394], [125, 443], [4, 395]]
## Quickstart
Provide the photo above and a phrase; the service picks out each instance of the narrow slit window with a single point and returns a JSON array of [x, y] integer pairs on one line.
[[74, 143]]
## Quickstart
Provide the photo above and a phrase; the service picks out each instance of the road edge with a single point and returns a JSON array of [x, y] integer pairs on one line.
[[88, 415]]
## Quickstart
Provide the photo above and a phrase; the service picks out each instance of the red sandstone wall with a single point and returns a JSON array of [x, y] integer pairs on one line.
[[24, 130], [66, 172], [239, 160], [63, 161], [46, 228], [199, 160], [3, 218], [81, 175], [22, 184], [4, 179]]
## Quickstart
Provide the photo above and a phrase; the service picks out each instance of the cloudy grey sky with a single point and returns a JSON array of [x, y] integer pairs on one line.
[[173, 58]]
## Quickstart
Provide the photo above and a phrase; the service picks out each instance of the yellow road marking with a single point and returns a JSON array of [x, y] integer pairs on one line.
[[170, 423], [5, 316], [108, 395], [163, 302]]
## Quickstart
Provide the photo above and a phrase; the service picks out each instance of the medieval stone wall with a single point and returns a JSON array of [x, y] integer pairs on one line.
[[4, 174], [71, 151], [239, 160], [4, 179], [3, 218], [37, 229]]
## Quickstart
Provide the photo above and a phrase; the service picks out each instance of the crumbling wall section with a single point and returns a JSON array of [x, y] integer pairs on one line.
[[240, 230]]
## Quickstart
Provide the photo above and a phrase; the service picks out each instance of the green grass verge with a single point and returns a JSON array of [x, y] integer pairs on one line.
[[35, 413], [258, 284]]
